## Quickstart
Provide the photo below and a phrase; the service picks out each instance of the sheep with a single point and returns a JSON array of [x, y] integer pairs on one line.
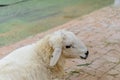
[[43, 60]]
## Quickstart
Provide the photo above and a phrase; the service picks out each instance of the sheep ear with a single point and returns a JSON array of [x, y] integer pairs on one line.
[[55, 56]]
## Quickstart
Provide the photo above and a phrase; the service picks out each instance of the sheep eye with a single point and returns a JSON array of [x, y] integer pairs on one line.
[[68, 46]]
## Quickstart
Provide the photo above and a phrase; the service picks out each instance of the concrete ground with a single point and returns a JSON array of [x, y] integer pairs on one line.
[[100, 31]]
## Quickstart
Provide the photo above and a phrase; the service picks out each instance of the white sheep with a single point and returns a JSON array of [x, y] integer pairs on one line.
[[43, 60]]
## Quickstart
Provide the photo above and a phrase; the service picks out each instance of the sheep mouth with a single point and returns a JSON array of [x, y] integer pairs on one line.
[[86, 55], [83, 57]]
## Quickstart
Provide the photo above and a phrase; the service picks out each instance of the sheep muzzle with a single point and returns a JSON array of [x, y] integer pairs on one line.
[[86, 55]]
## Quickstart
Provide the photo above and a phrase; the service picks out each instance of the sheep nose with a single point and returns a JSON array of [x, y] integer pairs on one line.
[[86, 55]]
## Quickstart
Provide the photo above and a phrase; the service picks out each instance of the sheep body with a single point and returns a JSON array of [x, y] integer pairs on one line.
[[27, 63], [32, 62], [21, 65]]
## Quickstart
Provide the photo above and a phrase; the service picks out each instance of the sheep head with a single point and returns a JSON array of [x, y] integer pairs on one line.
[[67, 44]]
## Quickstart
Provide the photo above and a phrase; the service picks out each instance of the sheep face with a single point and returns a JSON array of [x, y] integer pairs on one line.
[[73, 47], [67, 44]]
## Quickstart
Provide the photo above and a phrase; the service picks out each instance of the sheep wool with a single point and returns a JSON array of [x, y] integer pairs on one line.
[[43, 60]]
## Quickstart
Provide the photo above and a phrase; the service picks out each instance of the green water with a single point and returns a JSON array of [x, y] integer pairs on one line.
[[18, 21]]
